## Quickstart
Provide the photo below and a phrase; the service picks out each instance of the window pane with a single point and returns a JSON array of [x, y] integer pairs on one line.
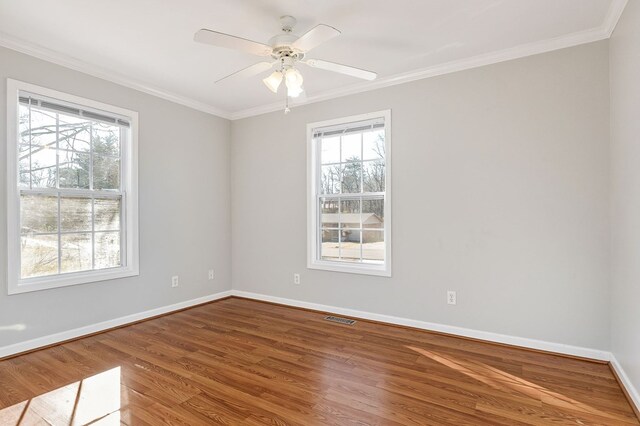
[[374, 176], [330, 150], [76, 252], [74, 170], [350, 214], [24, 179], [24, 165], [373, 246], [107, 250], [106, 172], [75, 214], [373, 145], [350, 245], [43, 128], [329, 212], [74, 133], [38, 255], [106, 139], [38, 213], [351, 147], [24, 150], [329, 248], [43, 167], [107, 214], [351, 178], [330, 180], [373, 213], [23, 124]]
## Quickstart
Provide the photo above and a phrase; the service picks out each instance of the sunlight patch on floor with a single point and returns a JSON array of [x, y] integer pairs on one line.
[[503, 381], [94, 400]]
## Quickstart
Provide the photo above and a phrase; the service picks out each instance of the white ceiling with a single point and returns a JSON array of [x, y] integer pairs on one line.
[[148, 44]]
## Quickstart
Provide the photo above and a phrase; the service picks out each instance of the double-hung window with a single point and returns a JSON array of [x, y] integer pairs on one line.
[[72, 190], [349, 212]]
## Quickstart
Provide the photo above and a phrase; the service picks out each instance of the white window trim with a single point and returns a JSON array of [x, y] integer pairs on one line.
[[17, 285], [312, 201]]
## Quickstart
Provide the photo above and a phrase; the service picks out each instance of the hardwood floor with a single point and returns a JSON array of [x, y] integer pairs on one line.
[[242, 362]]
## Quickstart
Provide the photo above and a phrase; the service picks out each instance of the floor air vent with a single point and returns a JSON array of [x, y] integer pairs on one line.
[[340, 320]]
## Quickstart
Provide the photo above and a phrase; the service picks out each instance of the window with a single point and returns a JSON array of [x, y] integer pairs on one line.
[[72, 190], [349, 177]]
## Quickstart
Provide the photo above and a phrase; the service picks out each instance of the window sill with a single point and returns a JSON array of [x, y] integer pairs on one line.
[[362, 269], [65, 280]]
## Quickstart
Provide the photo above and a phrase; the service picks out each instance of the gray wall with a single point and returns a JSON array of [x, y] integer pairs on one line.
[[500, 191], [184, 209], [625, 191]]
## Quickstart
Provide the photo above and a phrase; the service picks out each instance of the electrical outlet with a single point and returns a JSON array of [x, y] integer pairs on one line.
[[451, 297], [175, 281], [296, 279], [210, 274]]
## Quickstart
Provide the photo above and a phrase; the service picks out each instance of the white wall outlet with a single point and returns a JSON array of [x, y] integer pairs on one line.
[[451, 297], [175, 281], [210, 274], [296, 279]]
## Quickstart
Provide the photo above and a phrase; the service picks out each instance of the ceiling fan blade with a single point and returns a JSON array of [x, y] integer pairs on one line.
[[342, 69], [250, 71], [232, 42], [315, 37]]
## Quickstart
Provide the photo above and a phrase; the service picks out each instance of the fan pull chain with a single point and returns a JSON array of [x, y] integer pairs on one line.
[[287, 110]]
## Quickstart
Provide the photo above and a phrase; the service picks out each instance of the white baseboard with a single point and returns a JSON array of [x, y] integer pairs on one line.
[[449, 329], [458, 331], [626, 382], [105, 325]]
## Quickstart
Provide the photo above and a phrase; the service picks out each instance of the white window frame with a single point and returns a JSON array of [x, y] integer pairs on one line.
[[313, 185], [129, 176]]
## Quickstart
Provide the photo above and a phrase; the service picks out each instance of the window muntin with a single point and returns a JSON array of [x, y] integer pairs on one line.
[[73, 218], [349, 194]]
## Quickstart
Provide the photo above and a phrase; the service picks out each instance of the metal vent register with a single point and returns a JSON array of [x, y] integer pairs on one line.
[[340, 320]]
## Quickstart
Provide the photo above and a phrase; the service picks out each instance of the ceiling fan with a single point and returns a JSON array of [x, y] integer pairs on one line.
[[286, 50]]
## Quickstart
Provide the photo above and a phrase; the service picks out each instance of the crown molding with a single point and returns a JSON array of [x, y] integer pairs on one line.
[[602, 32], [490, 58], [569, 40], [517, 52], [79, 65], [613, 16]]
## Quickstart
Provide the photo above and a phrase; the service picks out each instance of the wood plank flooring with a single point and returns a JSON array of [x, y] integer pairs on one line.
[[242, 362]]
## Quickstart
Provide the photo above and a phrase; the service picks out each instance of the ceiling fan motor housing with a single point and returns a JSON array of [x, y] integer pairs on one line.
[[282, 43], [288, 22], [282, 40]]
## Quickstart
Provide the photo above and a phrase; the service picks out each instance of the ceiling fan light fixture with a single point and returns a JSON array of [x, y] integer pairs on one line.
[[273, 81], [293, 79], [294, 93]]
